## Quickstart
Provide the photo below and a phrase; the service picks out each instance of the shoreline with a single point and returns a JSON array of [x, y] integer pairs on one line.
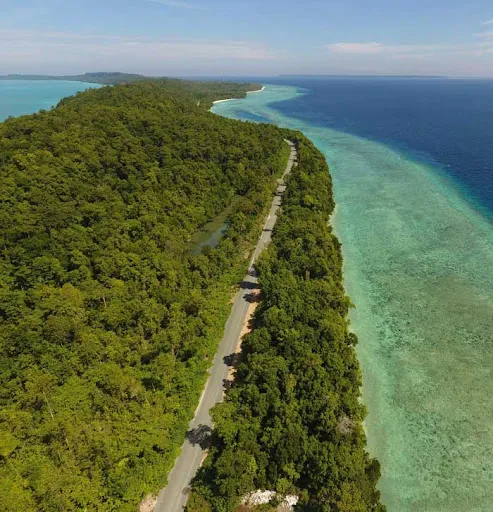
[[398, 341], [231, 99], [258, 90]]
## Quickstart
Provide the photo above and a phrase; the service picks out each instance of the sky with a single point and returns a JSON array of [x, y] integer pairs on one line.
[[249, 38]]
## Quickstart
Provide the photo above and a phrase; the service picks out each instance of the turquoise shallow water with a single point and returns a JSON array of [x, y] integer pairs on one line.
[[18, 97], [418, 266]]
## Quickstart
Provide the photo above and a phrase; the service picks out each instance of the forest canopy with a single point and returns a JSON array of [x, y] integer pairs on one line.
[[108, 318]]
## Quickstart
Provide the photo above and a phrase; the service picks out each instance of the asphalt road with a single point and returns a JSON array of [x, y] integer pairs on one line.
[[173, 497]]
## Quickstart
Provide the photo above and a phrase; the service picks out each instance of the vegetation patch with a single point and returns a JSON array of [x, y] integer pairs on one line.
[[108, 322]]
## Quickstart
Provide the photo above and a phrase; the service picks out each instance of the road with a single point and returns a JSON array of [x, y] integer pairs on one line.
[[173, 497]]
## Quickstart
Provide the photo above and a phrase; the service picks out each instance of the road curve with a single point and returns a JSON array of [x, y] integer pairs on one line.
[[173, 497]]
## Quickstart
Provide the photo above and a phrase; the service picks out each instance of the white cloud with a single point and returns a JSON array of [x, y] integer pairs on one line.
[[358, 48], [375, 48], [409, 51], [487, 22], [23, 50], [484, 35], [472, 58]]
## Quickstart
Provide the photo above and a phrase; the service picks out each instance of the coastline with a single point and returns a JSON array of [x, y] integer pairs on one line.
[[320, 345], [416, 258], [258, 90], [231, 99]]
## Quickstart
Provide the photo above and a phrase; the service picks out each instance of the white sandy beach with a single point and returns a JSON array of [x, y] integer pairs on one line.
[[258, 90], [230, 99]]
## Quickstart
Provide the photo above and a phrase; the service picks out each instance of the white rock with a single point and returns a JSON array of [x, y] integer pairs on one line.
[[264, 497]]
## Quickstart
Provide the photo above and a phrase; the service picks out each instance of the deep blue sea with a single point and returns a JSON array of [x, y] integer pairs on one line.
[[412, 168], [441, 121], [18, 97]]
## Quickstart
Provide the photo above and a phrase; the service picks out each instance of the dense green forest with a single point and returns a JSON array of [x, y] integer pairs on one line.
[[108, 319], [292, 422], [200, 94]]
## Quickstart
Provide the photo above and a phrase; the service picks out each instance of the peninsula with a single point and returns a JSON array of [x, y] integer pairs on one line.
[[110, 320]]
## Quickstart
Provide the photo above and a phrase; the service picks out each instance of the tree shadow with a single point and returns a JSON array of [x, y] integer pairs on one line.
[[253, 291], [252, 297], [227, 384], [248, 285], [229, 360], [201, 436]]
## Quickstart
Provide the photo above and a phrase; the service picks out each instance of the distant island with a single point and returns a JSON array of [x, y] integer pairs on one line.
[[100, 77], [360, 76]]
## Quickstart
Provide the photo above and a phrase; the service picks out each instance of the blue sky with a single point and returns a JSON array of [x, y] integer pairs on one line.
[[256, 37]]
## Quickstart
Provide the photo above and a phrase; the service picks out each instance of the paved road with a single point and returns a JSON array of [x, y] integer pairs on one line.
[[173, 497]]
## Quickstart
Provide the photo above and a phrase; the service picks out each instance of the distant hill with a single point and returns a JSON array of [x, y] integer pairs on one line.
[[359, 76], [100, 77], [202, 90]]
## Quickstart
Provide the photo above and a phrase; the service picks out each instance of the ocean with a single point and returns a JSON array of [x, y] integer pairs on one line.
[[412, 165], [19, 97]]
